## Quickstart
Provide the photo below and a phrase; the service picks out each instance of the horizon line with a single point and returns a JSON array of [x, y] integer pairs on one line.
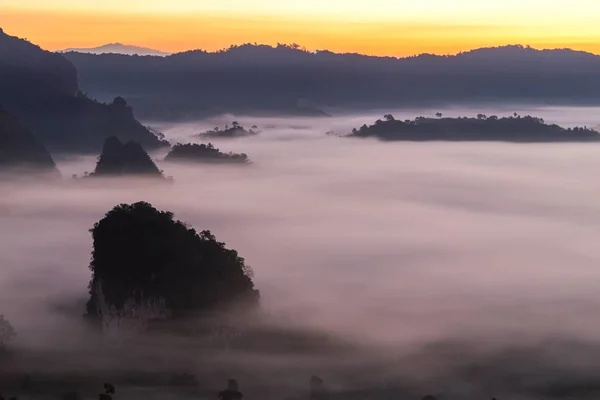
[[296, 46]]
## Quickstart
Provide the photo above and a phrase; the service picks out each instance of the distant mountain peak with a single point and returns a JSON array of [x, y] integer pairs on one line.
[[118, 48]]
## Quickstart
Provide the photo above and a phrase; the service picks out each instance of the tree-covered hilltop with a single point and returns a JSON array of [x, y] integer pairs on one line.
[[481, 128], [20, 149], [233, 131], [204, 153], [144, 256], [129, 159]]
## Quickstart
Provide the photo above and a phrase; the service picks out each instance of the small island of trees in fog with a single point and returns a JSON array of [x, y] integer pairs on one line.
[[515, 128], [235, 130], [206, 153]]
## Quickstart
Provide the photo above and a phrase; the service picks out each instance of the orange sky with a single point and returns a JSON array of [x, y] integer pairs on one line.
[[317, 24]]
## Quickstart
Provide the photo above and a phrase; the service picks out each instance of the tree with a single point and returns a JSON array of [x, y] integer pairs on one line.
[[119, 102], [7, 332], [438, 114], [389, 117], [141, 254]]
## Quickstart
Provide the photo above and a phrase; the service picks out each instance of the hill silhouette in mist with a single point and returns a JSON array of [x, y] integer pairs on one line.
[[289, 80], [19, 149], [118, 159], [41, 89]]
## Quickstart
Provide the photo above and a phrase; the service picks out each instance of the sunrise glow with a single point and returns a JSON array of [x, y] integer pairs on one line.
[[379, 27]]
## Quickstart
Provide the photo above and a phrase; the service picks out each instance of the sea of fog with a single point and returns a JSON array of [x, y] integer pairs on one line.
[[461, 269]]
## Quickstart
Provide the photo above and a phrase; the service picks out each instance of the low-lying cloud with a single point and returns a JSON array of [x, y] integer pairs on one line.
[[473, 267]]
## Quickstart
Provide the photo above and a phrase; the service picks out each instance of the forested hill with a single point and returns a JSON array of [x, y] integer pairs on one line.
[[289, 80]]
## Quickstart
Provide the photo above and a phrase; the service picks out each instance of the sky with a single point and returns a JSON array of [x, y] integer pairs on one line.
[[378, 27]]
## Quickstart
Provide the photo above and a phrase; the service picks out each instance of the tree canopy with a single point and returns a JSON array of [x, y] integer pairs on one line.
[[142, 253]]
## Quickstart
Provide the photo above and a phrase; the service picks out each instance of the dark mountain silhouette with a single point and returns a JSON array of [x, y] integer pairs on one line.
[[290, 80], [143, 254], [118, 159], [206, 153], [41, 89], [119, 48], [19, 149], [481, 128]]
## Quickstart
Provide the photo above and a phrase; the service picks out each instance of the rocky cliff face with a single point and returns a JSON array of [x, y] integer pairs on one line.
[[41, 89], [19, 149]]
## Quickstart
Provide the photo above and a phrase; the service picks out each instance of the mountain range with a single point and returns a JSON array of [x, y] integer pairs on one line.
[[47, 104], [285, 79], [119, 48]]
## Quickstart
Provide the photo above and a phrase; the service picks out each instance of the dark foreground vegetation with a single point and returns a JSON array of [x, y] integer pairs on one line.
[[481, 128], [233, 131], [206, 153], [317, 389]]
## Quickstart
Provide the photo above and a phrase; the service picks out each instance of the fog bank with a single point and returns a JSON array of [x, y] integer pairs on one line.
[[487, 248]]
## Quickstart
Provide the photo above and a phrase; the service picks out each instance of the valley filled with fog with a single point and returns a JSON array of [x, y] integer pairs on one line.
[[464, 269]]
